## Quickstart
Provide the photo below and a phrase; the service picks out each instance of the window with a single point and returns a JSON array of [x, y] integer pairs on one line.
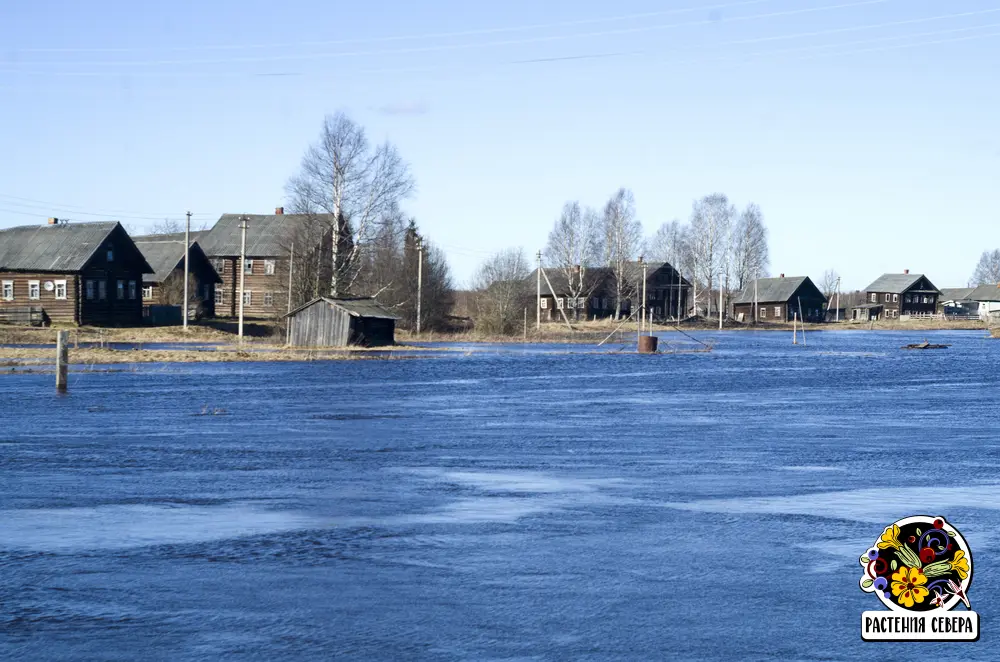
[[131, 289], [763, 312], [8, 290], [895, 298], [102, 289], [220, 265], [777, 311], [906, 299], [581, 303], [560, 303], [247, 297], [874, 297], [268, 298], [34, 291], [248, 267], [89, 287], [147, 292], [887, 297], [544, 303], [219, 296], [268, 267], [208, 292], [927, 299], [111, 255], [120, 290], [61, 289]]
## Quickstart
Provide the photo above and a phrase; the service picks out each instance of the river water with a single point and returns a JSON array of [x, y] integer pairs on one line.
[[503, 504]]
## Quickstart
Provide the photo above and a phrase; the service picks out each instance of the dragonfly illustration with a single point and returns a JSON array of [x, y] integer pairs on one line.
[[938, 599]]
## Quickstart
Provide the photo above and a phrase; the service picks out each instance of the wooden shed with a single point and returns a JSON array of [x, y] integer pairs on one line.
[[327, 322]]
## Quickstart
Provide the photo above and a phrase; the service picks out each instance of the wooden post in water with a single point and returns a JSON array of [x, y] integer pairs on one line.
[[62, 359], [795, 318]]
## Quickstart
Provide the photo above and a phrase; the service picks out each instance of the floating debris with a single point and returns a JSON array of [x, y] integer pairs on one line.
[[924, 345]]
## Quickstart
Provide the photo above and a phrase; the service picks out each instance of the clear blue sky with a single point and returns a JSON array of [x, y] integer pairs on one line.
[[866, 130]]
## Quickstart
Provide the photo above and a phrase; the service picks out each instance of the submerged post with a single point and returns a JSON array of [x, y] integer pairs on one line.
[[62, 359]]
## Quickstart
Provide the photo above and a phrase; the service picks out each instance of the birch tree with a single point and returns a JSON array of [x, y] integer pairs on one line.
[[828, 283], [670, 244], [352, 184], [988, 269], [622, 240], [574, 248], [711, 219], [750, 252], [501, 292]]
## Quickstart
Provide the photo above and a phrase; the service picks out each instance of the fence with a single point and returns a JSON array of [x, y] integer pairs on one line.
[[27, 316]]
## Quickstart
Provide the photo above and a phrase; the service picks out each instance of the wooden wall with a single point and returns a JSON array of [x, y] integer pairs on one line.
[[257, 283], [62, 311], [320, 325]]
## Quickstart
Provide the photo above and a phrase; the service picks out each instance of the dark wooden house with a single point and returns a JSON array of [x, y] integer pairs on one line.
[[269, 239], [74, 273], [893, 296], [327, 322], [165, 286], [780, 300]]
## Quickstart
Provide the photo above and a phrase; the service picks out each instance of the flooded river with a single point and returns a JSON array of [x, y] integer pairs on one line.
[[503, 503]]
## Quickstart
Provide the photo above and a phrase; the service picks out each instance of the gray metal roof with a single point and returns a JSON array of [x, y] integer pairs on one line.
[[598, 276], [356, 307], [896, 283], [956, 293], [165, 254], [772, 290], [267, 234], [62, 247], [985, 293]]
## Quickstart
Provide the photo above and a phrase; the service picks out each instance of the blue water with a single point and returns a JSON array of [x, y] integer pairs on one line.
[[495, 505]]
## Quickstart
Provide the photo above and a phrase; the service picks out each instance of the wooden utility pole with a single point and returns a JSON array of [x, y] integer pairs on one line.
[[288, 320], [720, 301], [538, 297], [187, 243], [649, 324], [525, 324], [756, 303], [243, 267], [62, 359], [420, 279], [838, 299]]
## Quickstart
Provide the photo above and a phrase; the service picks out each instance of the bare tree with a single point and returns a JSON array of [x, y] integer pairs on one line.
[[573, 248], [172, 292], [711, 219], [828, 283], [356, 185], [988, 269], [166, 226], [622, 241], [750, 255], [501, 292]]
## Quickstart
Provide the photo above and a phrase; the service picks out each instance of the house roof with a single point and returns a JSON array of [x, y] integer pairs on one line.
[[772, 290], [355, 307], [956, 293], [165, 254], [985, 293], [61, 247], [266, 233], [595, 275], [896, 283]]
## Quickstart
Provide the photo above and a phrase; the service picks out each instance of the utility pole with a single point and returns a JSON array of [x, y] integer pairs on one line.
[[288, 320], [720, 301], [243, 268], [538, 297], [187, 244], [756, 303], [420, 278], [838, 299], [648, 326]]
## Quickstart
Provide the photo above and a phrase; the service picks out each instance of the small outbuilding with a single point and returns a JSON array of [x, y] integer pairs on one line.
[[328, 322]]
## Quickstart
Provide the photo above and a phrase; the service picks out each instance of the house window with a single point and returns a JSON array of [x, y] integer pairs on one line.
[[131, 289], [777, 311], [268, 267], [61, 289], [581, 303], [147, 292], [102, 290], [89, 287], [208, 292], [220, 265], [874, 297], [887, 297], [248, 267], [120, 290], [8, 290], [111, 254], [895, 298], [906, 298], [560, 302], [34, 291], [220, 296], [544, 303], [763, 313], [268, 298], [247, 297]]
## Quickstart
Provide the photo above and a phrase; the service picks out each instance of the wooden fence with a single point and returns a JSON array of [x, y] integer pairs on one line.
[[27, 316]]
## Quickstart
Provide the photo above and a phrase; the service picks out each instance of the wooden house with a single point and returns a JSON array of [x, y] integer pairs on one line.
[[268, 240], [892, 296], [165, 286], [780, 300], [956, 301], [328, 322], [73, 273], [987, 298]]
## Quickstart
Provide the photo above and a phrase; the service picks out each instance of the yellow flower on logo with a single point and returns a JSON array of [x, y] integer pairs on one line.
[[908, 586], [890, 538], [960, 564]]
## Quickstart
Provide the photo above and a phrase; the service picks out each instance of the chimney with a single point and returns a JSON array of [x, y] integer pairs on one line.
[[278, 211], [782, 276], [906, 272], [53, 221]]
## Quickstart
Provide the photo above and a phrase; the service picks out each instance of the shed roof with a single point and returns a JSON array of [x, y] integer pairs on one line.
[[355, 307], [896, 283], [985, 293], [956, 293], [60, 247], [772, 290], [267, 234], [165, 254]]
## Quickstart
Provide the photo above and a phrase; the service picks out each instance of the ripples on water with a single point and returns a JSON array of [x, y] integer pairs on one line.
[[507, 504]]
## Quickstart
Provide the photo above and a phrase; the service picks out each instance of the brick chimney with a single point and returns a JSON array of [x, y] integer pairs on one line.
[[278, 211], [781, 276], [53, 221], [906, 272]]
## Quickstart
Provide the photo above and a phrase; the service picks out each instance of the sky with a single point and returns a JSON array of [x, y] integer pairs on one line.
[[865, 130]]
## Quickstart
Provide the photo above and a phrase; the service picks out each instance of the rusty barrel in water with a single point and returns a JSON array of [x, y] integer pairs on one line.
[[647, 344]]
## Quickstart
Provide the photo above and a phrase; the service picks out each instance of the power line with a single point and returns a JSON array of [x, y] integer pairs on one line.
[[30, 203], [467, 45]]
